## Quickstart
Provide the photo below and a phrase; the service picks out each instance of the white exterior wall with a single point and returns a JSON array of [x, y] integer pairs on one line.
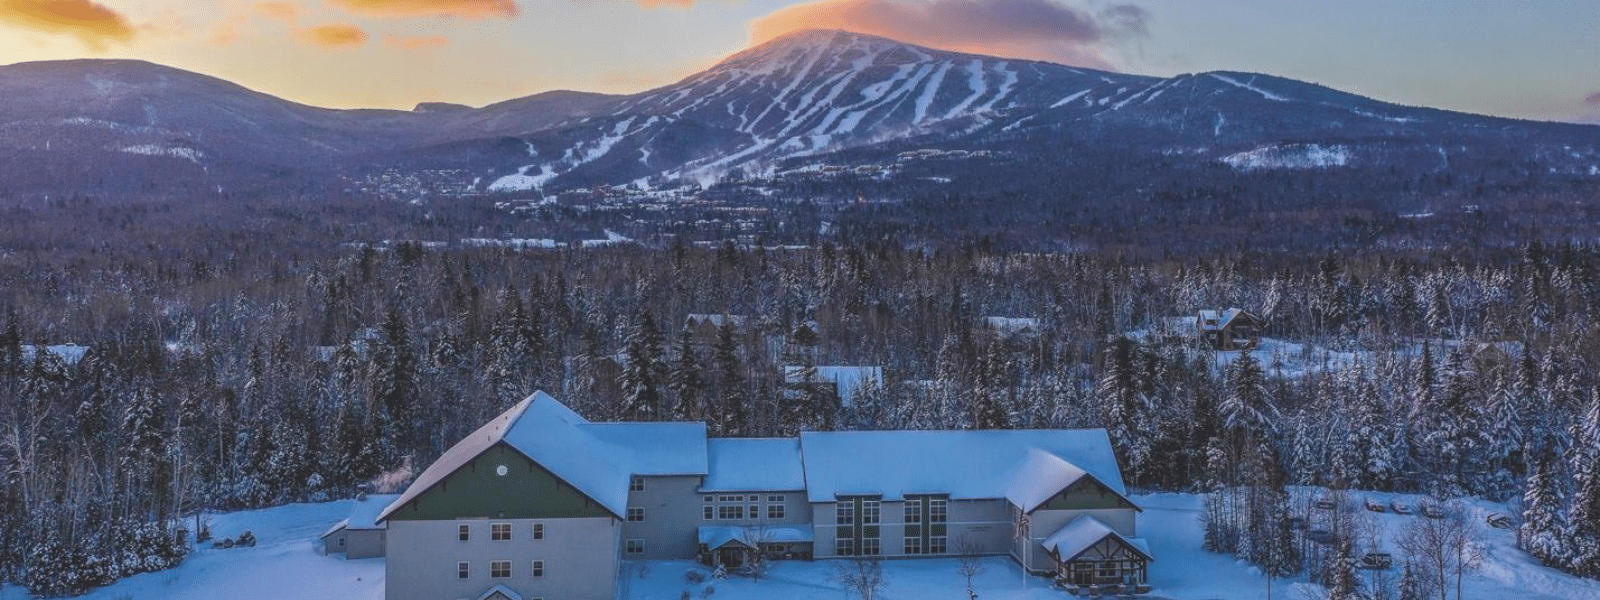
[[580, 559]]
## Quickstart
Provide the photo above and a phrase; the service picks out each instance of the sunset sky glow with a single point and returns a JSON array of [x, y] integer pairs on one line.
[[1518, 59]]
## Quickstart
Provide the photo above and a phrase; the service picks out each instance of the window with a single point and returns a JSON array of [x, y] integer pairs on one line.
[[538, 531], [463, 570], [755, 511], [844, 547], [636, 514], [938, 509], [538, 568], [636, 484], [710, 513], [464, 532], [775, 511], [913, 544], [869, 512], [869, 546], [913, 511], [634, 547], [500, 532], [500, 569], [937, 544], [776, 499], [710, 498], [844, 513], [730, 512]]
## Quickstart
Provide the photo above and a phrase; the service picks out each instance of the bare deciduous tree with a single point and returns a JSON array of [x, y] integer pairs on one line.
[[969, 562], [1443, 548], [861, 576]]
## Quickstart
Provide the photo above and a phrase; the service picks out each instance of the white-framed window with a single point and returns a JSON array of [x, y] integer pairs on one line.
[[938, 510], [636, 484], [869, 512], [937, 544], [775, 511], [844, 513], [635, 514], [913, 511], [913, 544], [464, 532], [755, 511], [633, 547], [870, 547], [710, 499], [463, 570], [710, 512], [844, 547], [499, 569], [776, 499], [538, 568], [500, 532], [730, 511]]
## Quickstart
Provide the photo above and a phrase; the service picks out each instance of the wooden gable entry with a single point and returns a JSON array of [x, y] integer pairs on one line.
[[1108, 561]]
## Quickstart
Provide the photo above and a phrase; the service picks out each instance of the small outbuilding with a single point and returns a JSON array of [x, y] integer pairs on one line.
[[359, 535]]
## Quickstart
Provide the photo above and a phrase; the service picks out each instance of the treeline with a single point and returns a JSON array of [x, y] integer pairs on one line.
[[220, 377]]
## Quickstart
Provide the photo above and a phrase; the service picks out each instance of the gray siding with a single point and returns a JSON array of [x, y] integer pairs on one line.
[[364, 543], [983, 522], [671, 516], [580, 559]]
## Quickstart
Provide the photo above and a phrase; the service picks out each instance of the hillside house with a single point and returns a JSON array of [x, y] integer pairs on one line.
[[1229, 330], [542, 503], [841, 382]]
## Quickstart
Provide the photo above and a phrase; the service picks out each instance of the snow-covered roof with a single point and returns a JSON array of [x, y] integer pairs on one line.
[[714, 320], [717, 536], [364, 513], [1215, 320], [1011, 324], [963, 464], [499, 589], [1041, 476], [70, 354], [337, 527], [595, 459], [657, 448], [1084, 532], [846, 380], [754, 464]]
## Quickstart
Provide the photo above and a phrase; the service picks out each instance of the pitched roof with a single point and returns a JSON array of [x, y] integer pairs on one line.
[[1084, 532], [717, 536], [364, 513], [1215, 320], [595, 459], [754, 464], [1040, 477], [962, 464]]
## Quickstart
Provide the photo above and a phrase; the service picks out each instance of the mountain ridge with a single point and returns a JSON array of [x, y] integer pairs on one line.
[[792, 101]]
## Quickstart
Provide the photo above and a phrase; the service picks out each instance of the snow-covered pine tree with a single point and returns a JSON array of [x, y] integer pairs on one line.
[[1123, 409], [1543, 528], [641, 379], [685, 381]]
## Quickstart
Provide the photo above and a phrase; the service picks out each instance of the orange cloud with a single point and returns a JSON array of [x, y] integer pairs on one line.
[[334, 36], [656, 3], [415, 43], [282, 11], [91, 22], [1029, 29], [470, 9]]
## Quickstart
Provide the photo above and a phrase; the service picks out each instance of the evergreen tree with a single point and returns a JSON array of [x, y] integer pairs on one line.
[[686, 383], [395, 381], [1122, 407], [642, 380]]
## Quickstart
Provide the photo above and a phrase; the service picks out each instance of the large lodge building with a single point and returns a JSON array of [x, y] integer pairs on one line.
[[543, 504]]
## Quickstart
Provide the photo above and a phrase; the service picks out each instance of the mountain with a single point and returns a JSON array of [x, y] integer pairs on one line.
[[798, 102]]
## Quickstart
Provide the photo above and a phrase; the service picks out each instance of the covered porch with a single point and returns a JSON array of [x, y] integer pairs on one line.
[[736, 546], [1087, 552]]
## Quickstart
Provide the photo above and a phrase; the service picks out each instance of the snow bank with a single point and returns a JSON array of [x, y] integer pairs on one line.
[[1290, 156]]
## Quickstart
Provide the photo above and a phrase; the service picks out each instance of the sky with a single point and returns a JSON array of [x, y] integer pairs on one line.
[[1511, 58]]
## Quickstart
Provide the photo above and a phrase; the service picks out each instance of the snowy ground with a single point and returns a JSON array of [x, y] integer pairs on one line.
[[285, 566]]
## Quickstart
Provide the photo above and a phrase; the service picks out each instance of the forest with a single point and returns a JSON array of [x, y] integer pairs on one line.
[[162, 359]]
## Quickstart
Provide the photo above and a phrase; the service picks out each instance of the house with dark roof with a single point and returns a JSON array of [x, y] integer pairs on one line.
[[1230, 329], [542, 503]]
